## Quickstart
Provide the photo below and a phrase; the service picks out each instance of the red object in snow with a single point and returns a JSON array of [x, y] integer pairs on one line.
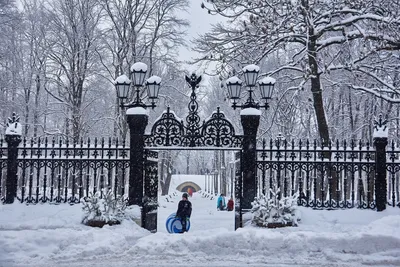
[[190, 191], [230, 204]]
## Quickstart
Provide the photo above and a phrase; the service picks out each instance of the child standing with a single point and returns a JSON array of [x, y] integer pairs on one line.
[[184, 211]]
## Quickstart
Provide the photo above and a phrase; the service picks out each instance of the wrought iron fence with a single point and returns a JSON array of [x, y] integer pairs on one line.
[[58, 171], [339, 175]]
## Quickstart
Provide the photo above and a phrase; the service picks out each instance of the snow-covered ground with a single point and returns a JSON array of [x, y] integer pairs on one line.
[[51, 235]]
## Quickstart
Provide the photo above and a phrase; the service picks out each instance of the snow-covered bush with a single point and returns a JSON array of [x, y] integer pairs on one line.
[[274, 211], [100, 209]]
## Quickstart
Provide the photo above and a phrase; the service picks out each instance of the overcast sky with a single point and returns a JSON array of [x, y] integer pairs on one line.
[[200, 22]]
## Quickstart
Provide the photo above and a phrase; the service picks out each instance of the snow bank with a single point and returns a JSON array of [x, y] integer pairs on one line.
[[51, 235]]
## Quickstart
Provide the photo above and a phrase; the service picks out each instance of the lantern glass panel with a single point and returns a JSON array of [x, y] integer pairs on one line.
[[153, 90], [266, 90], [138, 77], [234, 90], [122, 90], [250, 77]]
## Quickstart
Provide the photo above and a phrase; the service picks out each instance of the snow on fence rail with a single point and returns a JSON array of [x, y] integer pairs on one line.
[[338, 175]]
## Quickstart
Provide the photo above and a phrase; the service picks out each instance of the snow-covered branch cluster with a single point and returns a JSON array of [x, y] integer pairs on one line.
[[103, 207], [274, 210]]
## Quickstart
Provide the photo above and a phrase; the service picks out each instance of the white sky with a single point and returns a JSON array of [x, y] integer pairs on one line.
[[200, 23]]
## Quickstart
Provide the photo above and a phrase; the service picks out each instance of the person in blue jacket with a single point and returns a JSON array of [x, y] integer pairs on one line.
[[184, 211], [221, 202]]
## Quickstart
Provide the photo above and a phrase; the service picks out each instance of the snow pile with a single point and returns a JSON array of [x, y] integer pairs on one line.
[[380, 129], [14, 127]]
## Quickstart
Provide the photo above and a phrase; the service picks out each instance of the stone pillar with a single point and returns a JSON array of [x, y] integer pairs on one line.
[[137, 119], [13, 138], [250, 118], [380, 173], [380, 142]]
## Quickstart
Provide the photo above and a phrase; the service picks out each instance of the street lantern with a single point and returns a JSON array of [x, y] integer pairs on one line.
[[266, 86], [250, 73], [234, 85], [138, 71], [153, 87], [123, 85]]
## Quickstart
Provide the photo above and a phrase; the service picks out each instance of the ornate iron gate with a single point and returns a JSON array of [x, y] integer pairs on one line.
[[170, 132]]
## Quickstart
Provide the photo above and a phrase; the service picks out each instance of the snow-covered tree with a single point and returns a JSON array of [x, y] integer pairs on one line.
[[149, 31], [320, 45]]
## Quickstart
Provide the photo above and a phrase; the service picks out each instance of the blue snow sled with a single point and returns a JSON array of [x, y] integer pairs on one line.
[[174, 225]]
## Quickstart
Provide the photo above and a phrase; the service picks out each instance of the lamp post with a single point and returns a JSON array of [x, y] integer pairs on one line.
[[137, 119], [123, 86], [250, 119]]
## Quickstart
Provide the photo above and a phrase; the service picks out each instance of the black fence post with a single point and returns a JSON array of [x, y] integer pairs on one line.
[[250, 124], [13, 138], [137, 124], [380, 142]]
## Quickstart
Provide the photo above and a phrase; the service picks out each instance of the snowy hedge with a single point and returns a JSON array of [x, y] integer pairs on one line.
[[273, 212], [103, 208]]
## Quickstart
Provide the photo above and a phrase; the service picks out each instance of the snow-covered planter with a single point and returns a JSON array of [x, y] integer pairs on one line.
[[101, 209], [274, 212]]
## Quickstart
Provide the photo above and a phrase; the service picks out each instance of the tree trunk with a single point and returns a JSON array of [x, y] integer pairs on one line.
[[317, 94], [351, 117], [167, 181], [26, 117], [187, 162], [36, 111], [318, 101], [223, 173]]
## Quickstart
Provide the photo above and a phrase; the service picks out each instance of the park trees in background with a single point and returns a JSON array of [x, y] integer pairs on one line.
[[149, 31], [10, 20], [58, 60], [316, 49]]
